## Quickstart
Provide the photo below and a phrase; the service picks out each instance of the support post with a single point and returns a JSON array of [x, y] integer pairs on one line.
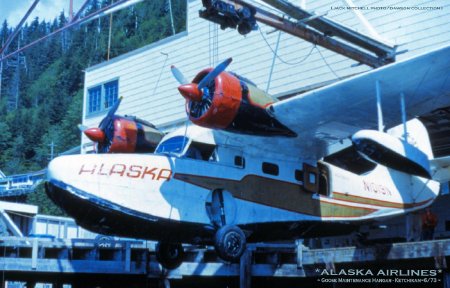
[[299, 244], [127, 257], [245, 270], [34, 254]]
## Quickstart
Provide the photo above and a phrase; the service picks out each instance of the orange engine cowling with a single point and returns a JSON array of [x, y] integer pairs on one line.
[[129, 135], [233, 103]]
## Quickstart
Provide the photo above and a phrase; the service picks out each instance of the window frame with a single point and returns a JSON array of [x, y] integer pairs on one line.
[[103, 104]]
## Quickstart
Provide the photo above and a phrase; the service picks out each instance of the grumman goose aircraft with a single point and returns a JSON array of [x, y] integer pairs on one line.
[[256, 169]]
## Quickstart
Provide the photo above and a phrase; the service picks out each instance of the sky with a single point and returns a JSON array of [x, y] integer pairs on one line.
[[14, 10]]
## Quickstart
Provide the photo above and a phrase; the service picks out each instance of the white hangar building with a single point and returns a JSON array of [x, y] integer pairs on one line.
[[144, 79]]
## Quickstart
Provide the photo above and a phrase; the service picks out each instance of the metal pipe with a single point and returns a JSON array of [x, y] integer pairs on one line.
[[100, 13], [74, 18], [325, 24], [18, 27]]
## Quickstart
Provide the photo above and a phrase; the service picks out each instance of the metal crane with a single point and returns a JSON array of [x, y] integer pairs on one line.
[[320, 30]]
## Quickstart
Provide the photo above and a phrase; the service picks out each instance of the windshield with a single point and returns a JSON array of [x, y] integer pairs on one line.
[[173, 145]]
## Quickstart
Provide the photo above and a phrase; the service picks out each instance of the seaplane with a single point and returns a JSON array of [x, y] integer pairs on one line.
[[252, 168]]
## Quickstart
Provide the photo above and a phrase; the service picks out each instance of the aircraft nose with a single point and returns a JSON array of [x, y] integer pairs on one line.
[[56, 170]]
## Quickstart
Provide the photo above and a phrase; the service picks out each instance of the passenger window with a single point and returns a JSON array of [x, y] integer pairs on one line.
[[239, 161], [270, 168]]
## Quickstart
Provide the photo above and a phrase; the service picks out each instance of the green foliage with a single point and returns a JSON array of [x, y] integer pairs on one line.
[[47, 79]]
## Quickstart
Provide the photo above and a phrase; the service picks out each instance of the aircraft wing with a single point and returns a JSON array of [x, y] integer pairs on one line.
[[331, 114]]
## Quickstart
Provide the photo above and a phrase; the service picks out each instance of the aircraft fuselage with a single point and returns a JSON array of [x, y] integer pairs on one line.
[[184, 197]]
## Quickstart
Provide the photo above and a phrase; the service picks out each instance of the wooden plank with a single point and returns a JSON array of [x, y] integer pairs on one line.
[[245, 270], [34, 254]]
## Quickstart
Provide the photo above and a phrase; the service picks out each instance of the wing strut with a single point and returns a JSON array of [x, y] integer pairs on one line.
[[379, 110], [403, 107]]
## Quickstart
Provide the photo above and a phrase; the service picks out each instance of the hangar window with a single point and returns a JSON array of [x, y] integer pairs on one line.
[[94, 99], [270, 168], [102, 97], [111, 93]]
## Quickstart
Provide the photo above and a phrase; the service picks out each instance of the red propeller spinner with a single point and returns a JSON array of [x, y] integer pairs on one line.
[[95, 134], [191, 92]]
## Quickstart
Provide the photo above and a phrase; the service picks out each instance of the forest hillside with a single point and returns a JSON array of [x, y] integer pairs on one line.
[[41, 90]]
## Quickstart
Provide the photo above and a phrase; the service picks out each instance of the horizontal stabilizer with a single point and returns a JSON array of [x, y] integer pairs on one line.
[[440, 168]]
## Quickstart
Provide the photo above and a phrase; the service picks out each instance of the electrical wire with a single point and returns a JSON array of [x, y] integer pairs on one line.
[[279, 58], [328, 65]]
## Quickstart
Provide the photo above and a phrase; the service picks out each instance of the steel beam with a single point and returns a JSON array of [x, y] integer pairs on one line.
[[97, 14], [18, 27], [307, 34], [333, 28]]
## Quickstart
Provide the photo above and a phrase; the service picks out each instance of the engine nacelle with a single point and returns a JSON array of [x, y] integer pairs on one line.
[[390, 151], [129, 135], [234, 104]]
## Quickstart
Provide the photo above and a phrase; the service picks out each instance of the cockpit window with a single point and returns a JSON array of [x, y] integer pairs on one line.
[[201, 151], [173, 145]]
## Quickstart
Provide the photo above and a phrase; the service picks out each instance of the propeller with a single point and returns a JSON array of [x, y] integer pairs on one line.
[[195, 91], [103, 135], [178, 75], [82, 127]]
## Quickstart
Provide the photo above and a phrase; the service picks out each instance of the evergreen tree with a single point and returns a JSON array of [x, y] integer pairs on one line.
[[49, 79]]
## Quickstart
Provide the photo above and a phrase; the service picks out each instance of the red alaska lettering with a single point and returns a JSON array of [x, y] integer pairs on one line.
[[100, 171], [84, 170], [118, 169], [132, 171], [149, 171], [135, 171], [164, 174]]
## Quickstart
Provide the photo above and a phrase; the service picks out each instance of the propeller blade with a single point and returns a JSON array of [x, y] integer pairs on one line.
[[114, 108], [214, 73], [109, 117], [82, 127], [178, 75]]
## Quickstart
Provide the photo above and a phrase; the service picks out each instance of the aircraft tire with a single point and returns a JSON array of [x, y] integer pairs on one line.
[[169, 255], [230, 243], [104, 241]]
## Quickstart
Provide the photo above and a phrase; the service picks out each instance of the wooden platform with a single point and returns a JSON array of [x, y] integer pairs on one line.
[[35, 259]]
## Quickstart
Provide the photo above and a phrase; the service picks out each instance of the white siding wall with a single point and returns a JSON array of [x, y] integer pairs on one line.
[[149, 90]]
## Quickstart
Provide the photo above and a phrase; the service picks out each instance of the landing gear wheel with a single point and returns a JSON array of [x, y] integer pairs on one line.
[[230, 243], [103, 241], [169, 255]]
